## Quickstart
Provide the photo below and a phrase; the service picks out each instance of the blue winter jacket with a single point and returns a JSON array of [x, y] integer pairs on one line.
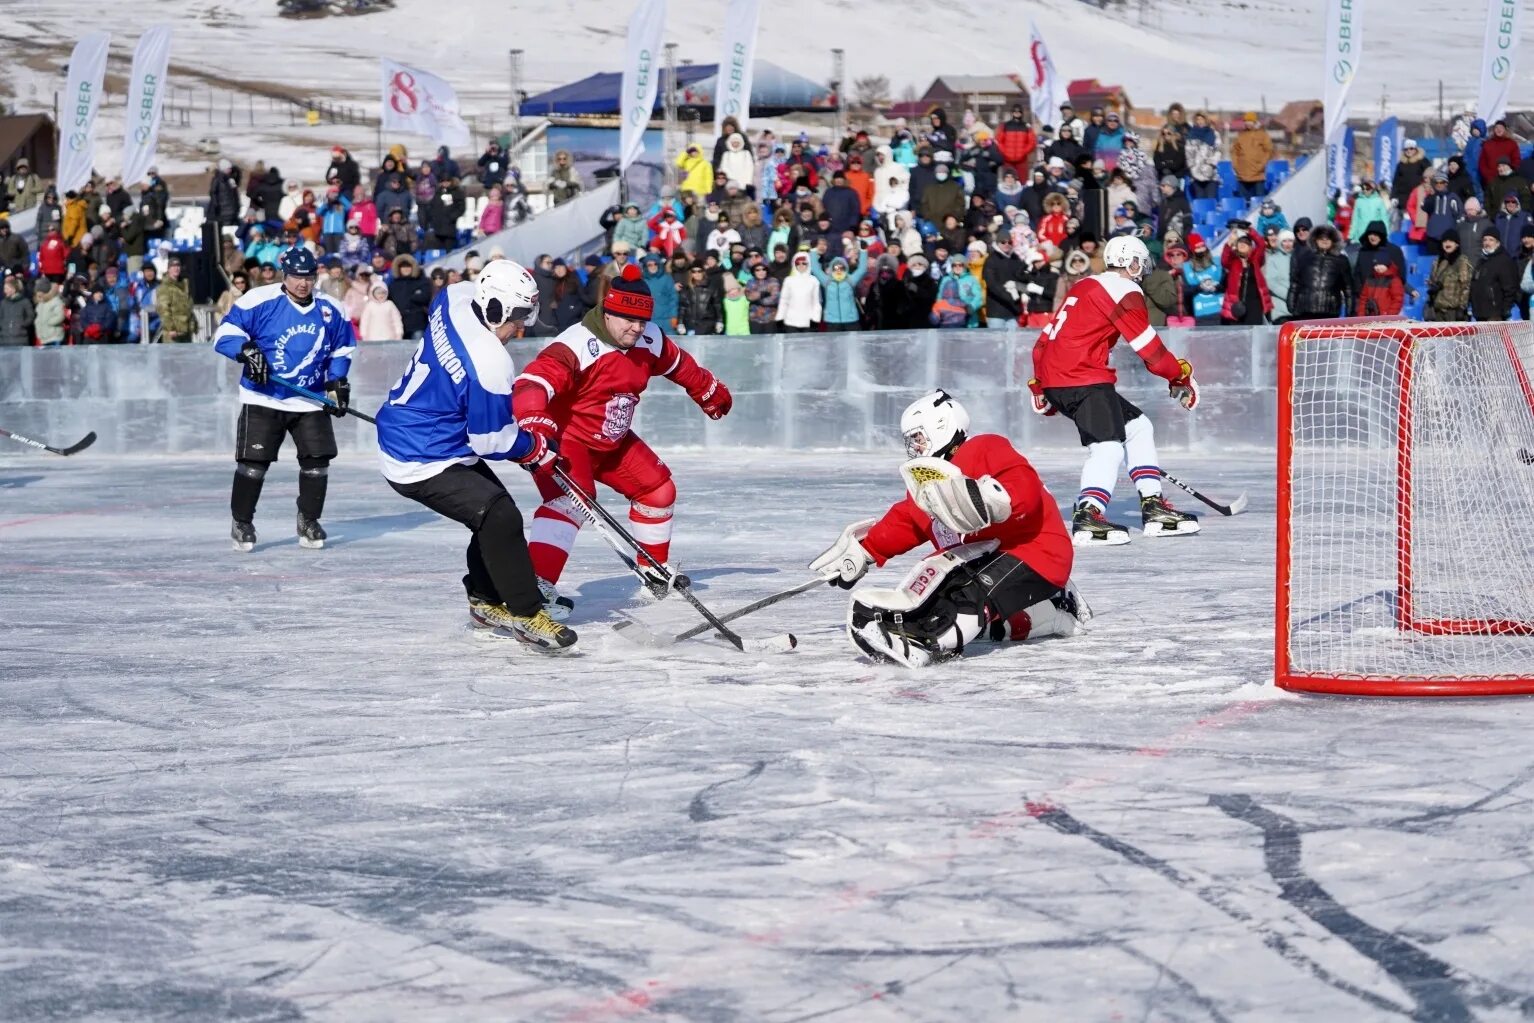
[[839, 303], [663, 289]]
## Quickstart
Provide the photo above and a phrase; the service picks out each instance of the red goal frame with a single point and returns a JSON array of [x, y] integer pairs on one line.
[[1404, 334]]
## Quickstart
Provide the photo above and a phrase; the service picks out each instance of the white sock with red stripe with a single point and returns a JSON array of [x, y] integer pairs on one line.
[[1140, 452], [1100, 472], [556, 524], [651, 526]]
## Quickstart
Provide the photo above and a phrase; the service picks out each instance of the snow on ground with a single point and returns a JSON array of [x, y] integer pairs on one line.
[[292, 785], [1252, 53]]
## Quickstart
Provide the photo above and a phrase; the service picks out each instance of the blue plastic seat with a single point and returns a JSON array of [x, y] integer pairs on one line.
[[1203, 207], [1398, 237]]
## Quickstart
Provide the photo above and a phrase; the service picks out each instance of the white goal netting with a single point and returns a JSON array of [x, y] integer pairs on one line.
[[1406, 535]]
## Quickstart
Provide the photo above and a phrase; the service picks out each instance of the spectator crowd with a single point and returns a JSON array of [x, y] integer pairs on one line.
[[935, 224]]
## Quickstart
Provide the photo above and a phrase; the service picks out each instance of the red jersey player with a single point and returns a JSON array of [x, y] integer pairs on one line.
[[579, 394], [1003, 563], [1072, 377]]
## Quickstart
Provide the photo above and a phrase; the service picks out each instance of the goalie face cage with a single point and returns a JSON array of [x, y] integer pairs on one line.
[[1406, 508]]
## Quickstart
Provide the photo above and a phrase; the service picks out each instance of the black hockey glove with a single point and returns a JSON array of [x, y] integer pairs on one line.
[[255, 363], [340, 393]]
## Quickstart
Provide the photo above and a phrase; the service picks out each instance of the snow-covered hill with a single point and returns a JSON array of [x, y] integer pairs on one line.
[[1232, 53]]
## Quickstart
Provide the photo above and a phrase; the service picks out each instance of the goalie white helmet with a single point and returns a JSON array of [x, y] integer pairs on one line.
[[933, 426], [506, 292], [1127, 253]]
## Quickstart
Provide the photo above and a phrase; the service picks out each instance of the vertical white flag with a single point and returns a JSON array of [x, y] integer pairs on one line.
[[77, 111], [732, 94], [641, 76], [146, 96], [1046, 90], [1499, 58], [1343, 53], [421, 103]]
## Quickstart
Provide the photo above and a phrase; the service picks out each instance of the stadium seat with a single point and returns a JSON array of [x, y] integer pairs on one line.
[[1227, 172], [1203, 207], [1398, 238]]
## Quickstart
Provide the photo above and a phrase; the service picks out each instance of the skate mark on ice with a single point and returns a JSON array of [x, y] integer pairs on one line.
[[698, 811], [347, 531], [1062, 821], [17, 482], [1417, 822], [1440, 990]]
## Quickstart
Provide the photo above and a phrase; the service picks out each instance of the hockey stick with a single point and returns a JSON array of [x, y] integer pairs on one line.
[[654, 639], [324, 400], [611, 530], [77, 446], [1235, 507]]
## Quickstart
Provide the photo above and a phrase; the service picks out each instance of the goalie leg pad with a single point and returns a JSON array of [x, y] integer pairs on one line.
[[938, 608]]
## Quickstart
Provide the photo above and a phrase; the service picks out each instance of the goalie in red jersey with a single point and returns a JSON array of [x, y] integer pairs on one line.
[[1072, 377], [578, 396], [1003, 563]]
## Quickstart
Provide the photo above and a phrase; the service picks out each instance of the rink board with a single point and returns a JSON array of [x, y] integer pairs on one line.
[[292, 786], [798, 392]]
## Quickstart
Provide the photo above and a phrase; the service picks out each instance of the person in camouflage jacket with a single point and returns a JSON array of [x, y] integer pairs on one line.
[[174, 300]]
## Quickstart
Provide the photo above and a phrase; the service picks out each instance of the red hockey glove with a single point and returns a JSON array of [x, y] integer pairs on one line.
[[714, 400], [543, 454], [1184, 388], [1041, 405]]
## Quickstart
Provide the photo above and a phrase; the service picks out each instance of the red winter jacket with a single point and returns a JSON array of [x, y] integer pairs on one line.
[[1017, 146], [53, 255], [1382, 295], [1231, 264], [1492, 151]]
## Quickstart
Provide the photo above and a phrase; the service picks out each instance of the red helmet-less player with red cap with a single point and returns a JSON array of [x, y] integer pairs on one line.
[[580, 394]]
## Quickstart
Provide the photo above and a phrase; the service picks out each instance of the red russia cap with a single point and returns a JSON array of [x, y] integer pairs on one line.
[[628, 296]]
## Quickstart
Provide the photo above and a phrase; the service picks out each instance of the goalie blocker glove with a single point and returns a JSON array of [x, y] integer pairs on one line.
[[1185, 389], [845, 561]]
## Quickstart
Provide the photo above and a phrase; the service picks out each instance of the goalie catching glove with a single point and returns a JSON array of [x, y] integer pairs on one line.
[[1184, 389], [845, 561], [962, 504]]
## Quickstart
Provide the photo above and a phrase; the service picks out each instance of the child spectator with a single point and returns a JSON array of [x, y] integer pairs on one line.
[[736, 309], [380, 319]]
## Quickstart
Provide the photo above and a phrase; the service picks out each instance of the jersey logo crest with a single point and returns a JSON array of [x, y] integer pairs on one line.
[[592, 346], [325, 312], [619, 416]]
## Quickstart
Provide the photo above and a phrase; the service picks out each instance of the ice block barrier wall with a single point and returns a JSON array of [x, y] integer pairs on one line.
[[799, 391]]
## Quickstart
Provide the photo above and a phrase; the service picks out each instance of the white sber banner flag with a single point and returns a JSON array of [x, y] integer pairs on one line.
[[146, 98], [1344, 52], [732, 95], [1499, 57], [77, 111], [419, 102], [641, 77]]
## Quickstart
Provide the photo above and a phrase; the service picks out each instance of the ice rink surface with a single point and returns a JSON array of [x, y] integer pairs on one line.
[[292, 785]]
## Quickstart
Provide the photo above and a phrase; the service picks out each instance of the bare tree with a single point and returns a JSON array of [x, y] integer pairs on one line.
[[872, 91]]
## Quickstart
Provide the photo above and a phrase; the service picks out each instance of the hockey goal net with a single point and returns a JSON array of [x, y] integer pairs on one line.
[[1406, 508]]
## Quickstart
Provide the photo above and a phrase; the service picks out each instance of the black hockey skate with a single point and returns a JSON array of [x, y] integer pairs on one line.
[[556, 606], [1090, 528], [243, 535], [1073, 603], [538, 631], [1161, 519], [657, 584], [310, 533]]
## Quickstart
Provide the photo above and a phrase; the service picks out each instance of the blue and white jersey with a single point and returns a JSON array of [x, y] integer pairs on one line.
[[452, 406], [304, 345]]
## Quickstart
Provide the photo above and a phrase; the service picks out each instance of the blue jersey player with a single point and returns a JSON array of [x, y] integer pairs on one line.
[[286, 332], [451, 410]]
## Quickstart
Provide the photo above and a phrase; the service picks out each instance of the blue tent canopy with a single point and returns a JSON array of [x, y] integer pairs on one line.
[[772, 90], [598, 93]]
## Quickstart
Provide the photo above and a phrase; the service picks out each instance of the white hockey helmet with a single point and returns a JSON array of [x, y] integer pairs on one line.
[[1127, 252], [933, 426], [504, 291]]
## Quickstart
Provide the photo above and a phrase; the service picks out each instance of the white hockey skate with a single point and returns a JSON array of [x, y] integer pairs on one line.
[[555, 606]]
